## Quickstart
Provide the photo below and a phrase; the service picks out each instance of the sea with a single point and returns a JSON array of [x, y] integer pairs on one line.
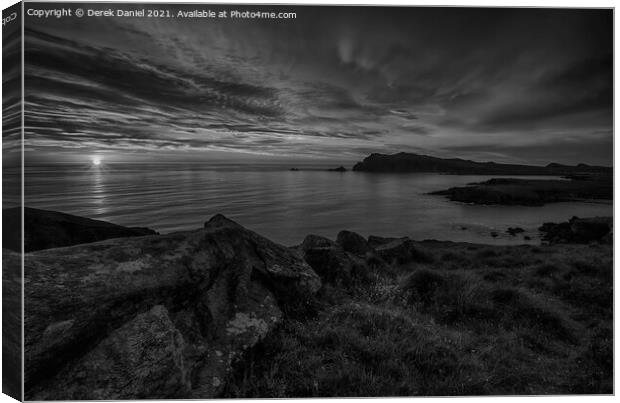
[[282, 204]]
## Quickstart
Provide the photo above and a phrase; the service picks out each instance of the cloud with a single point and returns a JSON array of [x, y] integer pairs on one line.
[[336, 81]]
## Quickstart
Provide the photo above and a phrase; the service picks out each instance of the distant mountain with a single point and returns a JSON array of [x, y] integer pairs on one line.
[[407, 162]]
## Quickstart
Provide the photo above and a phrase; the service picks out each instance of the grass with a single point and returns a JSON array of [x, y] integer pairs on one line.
[[463, 320]]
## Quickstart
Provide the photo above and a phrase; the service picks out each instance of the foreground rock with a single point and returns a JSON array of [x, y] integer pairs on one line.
[[579, 230], [154, 316], [11, 324], [50, 229], [352, 260], [333, 264], [353, 243]]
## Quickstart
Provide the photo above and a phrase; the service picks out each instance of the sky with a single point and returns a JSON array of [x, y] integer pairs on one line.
[[335, 83]]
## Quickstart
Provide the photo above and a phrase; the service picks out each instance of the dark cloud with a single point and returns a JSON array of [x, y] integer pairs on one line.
[[581, 88], [335, 82], [593, 147]]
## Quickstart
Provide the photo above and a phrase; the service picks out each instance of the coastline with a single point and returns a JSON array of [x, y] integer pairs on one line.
[[534, 301], [531, 192]]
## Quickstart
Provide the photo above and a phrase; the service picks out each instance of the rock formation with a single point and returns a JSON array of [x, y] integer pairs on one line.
[[353, 243], [332, 263], [515, 230], [154, 316], [351, 260], [531, 192], [579, 230]]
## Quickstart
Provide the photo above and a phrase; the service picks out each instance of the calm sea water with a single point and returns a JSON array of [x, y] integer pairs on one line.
[[285, 205]]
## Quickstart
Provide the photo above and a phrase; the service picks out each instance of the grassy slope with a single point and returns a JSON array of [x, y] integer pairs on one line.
[[468, 319]]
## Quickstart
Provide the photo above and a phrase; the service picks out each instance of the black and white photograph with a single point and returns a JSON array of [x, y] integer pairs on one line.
[[215, 201]]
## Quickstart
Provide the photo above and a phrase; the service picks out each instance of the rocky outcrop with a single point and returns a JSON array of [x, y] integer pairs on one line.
[[45, 229], [154, 316], [531, 192], [143, 359], [515, 230], [579, 230], [332, 263], [402, 251], [352, 259], [353, 243]]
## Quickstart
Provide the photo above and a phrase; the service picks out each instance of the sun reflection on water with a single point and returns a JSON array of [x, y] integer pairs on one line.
[[98, 191]]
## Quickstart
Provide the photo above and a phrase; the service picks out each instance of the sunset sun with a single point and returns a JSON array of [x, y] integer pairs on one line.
[[96, 161]]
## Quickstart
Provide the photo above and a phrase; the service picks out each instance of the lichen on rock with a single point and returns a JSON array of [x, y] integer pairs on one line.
[[154, 316], [242, 323]]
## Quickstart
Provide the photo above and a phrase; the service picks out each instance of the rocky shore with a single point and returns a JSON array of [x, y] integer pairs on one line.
[[579, 230], [224, 312], [532, 192]]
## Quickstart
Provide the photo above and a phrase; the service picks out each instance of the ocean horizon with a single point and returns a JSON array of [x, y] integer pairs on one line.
[[286, 205]]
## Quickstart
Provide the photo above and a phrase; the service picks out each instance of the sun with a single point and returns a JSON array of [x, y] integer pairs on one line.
[[96, 161]]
